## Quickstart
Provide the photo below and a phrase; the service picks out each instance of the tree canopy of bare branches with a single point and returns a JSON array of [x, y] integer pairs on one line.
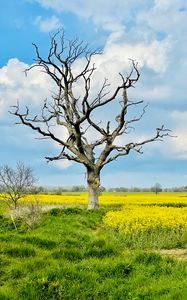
[[75, 115], [15, 183]]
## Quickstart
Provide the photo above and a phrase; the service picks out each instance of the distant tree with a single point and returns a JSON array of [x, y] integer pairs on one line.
[[57, 191], [15, 183], [78, 188], [178, 189], [77, 114], [136, 189], [37, 190], [102, 189], [157, 188], [120, 189]]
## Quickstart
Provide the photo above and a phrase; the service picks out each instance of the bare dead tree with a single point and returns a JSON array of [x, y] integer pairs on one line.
[[76, 114], [15, 184]]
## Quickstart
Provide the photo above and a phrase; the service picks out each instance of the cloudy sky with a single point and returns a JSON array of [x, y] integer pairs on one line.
[[153, 32]]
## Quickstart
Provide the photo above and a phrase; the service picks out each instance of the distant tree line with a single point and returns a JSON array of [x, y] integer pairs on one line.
[[17, 183], [154, 189], [157, 188]]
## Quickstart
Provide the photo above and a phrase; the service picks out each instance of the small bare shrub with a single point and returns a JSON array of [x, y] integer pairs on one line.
[[16, 183], [29, 215]]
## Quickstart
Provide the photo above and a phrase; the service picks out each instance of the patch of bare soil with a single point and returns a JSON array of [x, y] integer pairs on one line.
[[175, 253], [96, 229]]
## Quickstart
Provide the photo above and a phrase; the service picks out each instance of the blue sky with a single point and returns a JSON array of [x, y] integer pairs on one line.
[[151, 32]]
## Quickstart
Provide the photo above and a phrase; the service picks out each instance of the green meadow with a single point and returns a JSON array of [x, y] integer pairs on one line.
[[72, 255]]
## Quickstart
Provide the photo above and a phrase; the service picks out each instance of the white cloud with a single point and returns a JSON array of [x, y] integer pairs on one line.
[[178, 145], [115, 15], [153, 55], [15, 86], [158, 93], [152, 32], [168, 16], [115, 60], [175, 146], [140, 25], [48, 24], [110, 14], [62, 164]]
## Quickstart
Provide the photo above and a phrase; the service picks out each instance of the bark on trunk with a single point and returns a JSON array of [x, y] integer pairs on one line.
[[93, 180]]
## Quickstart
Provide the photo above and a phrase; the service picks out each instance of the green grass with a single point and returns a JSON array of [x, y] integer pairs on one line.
[[157, 238], [71, 255]]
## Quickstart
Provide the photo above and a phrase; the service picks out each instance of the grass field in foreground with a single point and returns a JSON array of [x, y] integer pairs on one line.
[[71, 255], [112, 253]]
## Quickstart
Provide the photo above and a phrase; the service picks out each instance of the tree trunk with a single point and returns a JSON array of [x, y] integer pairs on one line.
[[93, 180], [15, 204]]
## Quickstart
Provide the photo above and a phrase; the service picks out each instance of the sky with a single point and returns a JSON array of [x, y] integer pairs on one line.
[[152, 32]]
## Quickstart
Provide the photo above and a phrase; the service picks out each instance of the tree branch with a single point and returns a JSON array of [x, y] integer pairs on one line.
[[77, 114]]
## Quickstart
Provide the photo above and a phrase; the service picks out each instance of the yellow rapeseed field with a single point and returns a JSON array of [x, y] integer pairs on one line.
[[150, 212], [138, 211], [67, 199], [111, 199], [135, 219]]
